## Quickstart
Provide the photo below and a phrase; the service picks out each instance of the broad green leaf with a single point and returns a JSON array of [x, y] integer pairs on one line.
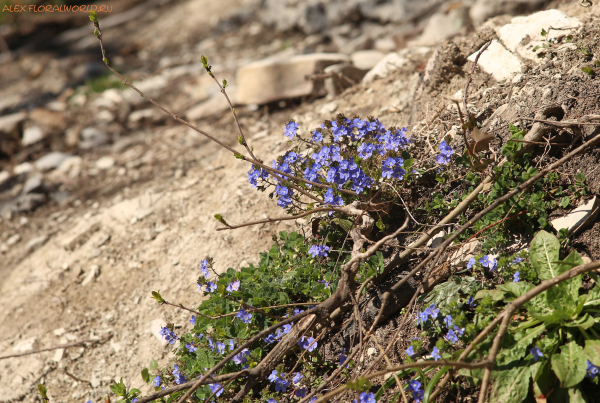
[[584, 322], [145, 375], [516, 289], [544, 380], [593, 296], [543, 250], [517, 345], [574, 283], [433, 383], [345, 224], [592, 351], [570, 365], [495, 295], [576, 396], [511, 386]]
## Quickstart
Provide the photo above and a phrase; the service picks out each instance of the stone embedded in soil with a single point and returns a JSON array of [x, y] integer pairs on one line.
[[4, 176], [104, 163], [36, 242], [13, 240], [579, 217], [91, 275], [32, 135], [498, 61], [9, 123], [92, 137], [33, 185], [23, 168], [392, 62], [278, 78], [51, 160], [366, 59], [155, 327], [58, 355], [26, 345], [520, 27]]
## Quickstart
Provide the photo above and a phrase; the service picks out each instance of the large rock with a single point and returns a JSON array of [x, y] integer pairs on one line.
[[392, 62], [579, 218], [9, 123], [498, 61], [481, 10], [366, 59], [520, 27], [275, 79], [442, 25], [50, 160]]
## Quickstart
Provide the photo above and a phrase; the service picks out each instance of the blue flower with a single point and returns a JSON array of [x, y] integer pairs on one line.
[[445, 152], [271, 401], [288, 327], [270, 339], [318, 250], [535, 351], [436, 354], [472, 261], [448, 321], [311, 173], [169, 335], [211, 345], [416, 391], [516, 277], [281, 385], [517, 260], [233, 286], [193, 320], [432, 311], [239, 358], [300, 392], [253, 174], [290, 129], [274, 376], [179, 378], [459, 331], [290, 157], [343, 358], [216, 389], [367, 398], [592, 370], [220, 347], [365, 150], [297, 377], [204, 268], [191, 348], [423, 316], [325, 283], [211, 287], [451, 336], [471, 302], [488, 261], [410, 351], [157, 381], [231, 345], [284, 196], [309, 343], [312, 400], [244, 316], [317, 136]]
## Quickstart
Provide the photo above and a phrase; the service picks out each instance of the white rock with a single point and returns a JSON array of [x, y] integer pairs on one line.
[[70, 163], [51, 160], [32, 135], [498, 61], [115, 346], [328, 108], [385, 66], [481, 10], [26, 345], [212, 106], [579, 217], [58, 354], [436, 240], [36, 242], [464, 253], [442, 25], [142, 114], [104, 115], [33, 184], [23, 168], [59, 332], [512, 34], [93, 137], [155, 327], [9, 123], [278, 78], [104, 163], [13, 240], [385, 44], [366, 59], [4, 176], [91, 275], [371, 351]]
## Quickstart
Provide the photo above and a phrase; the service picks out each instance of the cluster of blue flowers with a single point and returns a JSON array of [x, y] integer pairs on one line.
[[318, 250], [486, 261], [281, 384], [415, 390], [300, 389], [179, 378], [454, 332], [244, 316], [345, 171], [365, 398], [430, 311], [216, 388], [279, 333], [308, 343], [169, 335], [240, 358], [446, 151]]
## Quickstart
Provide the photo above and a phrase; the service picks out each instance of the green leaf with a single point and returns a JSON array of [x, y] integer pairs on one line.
[[157, 297], [570, 365], [345, 224], [433, 383], [592, 351], [94, 17], [564, 202], [589, 71], [544, 380], [543, 33], [495, 295], [543, 250], [145, 375], [380, 225], [153, 365], [584, 322], [361, 384], [593, 296], [511, 386], [516, 289], [576, 396]]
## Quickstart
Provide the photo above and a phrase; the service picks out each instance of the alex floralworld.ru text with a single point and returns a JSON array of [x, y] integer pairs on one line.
[[55, 8]]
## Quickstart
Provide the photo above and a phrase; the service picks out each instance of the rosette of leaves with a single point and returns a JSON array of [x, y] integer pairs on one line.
[[562, 322]]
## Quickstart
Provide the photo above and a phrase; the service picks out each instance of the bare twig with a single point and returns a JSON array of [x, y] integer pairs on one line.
[[77, 343]]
